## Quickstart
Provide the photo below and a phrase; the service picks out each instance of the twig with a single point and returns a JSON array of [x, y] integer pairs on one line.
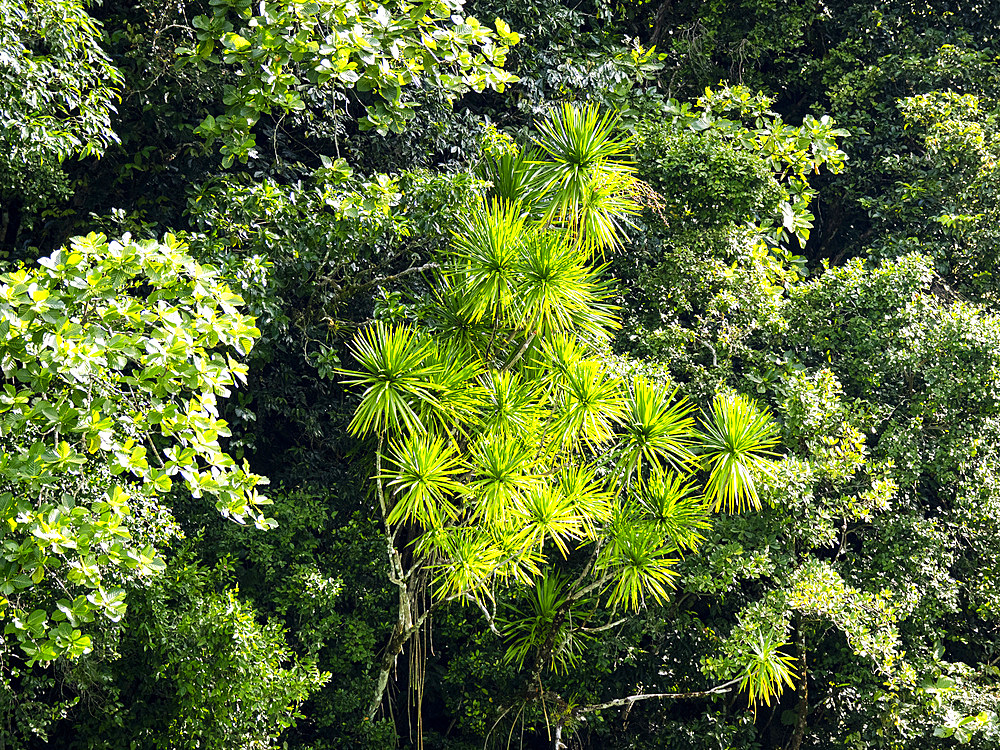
[[489, 617]]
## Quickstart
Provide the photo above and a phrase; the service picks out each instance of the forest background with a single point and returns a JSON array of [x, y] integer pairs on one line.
[[596, 375]]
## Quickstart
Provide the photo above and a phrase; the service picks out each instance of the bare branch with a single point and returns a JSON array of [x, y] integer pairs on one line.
[[718, 689], [329, 281], [602, 628]]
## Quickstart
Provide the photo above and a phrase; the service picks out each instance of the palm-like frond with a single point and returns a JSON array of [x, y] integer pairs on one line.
[[549, 514], [591, 501], [501, 469], [642, 562], [736, 440], [455, 376], [518, 562], [486, 250], [607, 205], [767, 671], [510, 406], [585, 178], [469, 562], [549, 621], [658, 431], [397, 379], [450, 317], [676, 508], [557, 291], [554, 358], [421, 476], [590, 404], [513, 176]]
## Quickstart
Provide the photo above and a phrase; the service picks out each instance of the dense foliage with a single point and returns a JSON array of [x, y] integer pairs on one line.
[[621, 375]]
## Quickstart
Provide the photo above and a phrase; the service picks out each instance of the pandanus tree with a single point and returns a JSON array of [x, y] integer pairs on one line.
[[509, 454]]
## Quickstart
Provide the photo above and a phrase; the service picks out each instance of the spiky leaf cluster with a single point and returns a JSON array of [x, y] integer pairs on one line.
[[510, 450]]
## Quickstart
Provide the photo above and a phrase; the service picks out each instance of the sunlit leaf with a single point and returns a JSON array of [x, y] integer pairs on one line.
[[737, 437], [657, 431], [420, 474], [396, 379]]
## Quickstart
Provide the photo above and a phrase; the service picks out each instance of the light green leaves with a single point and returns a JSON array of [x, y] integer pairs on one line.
[[676, 509], [284, 49], [657, 432], [737, 437], [422, 480], [516, 455], [558, 291], [641, 560], [512, 406], [587, 186], [58, 89], [589, 405], [767, 671], [549, 515], [500, 464], [527, 277], [115, 356], [488, 250], [396, 379]]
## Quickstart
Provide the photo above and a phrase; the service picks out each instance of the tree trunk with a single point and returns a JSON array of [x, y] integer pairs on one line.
[[10, 223], [557, 743], [401, 633]]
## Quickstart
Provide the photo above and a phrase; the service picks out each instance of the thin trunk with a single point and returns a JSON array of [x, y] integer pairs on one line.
[[404, 610], [557, 743], [520, 352], [400, 635], [544, 653], [10, 223], [658, 23]]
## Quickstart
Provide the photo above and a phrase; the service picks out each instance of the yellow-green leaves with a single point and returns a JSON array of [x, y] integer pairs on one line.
[[512, 406], [589, 405], [549, 515], [658, 431], [768, 670], [558, 291], [642, 562], [548, 619], [488, 250], [283, 49], [526, 277], [518, 455], [422, 480], [737, 437], [396, 379], [501, 466], [675, 507], [586, 185]]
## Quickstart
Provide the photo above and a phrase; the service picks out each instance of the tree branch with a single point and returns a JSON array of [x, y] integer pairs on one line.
[[489, 616], [718, 689], [326, 280], [602, 628], [520, 352]]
